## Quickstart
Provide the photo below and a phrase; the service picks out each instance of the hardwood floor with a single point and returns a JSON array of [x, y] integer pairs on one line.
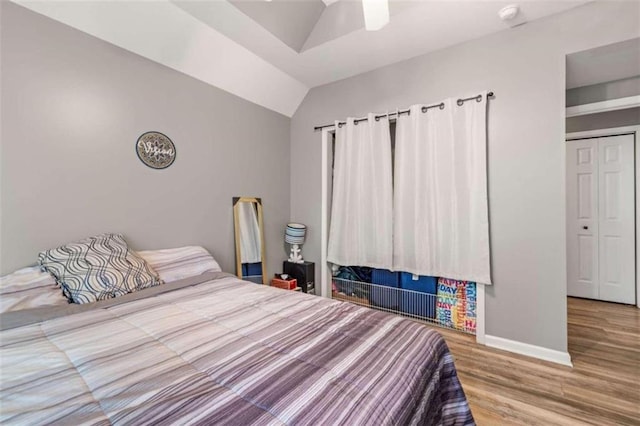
[[602, 388]]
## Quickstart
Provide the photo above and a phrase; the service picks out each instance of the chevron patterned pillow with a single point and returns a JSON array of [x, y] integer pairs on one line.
[[98, 268]]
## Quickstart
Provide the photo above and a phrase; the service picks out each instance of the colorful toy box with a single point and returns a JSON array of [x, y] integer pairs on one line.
[[456, 304]]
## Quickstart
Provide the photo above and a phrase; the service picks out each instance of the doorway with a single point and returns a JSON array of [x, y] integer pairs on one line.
[[602, 181], [601, 261], [602, 147]]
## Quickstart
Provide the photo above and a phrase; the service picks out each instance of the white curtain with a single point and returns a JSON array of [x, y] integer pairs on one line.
[[250, 243], [361, 211], [441, 225]]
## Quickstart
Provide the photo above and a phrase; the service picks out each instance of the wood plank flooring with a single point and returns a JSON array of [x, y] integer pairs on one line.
[[603, 387]]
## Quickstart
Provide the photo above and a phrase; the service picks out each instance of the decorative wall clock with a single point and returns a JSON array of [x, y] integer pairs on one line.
[[156, 150]]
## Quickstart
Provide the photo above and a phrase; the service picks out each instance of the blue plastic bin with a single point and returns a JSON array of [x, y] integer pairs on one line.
[[423, 302], [381, 297]]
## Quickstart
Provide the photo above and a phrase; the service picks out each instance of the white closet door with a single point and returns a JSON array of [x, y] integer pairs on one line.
[[616, 217], [601, 219], [582, 218]]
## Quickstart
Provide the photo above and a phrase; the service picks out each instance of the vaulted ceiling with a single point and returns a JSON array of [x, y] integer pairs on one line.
[[290, 21], [272, 52]]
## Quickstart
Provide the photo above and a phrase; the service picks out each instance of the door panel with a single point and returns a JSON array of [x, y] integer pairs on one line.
[[617, 219], [612, 261], [611, 153], [586, 247], [585, 196], [611, 196], [582, 222]]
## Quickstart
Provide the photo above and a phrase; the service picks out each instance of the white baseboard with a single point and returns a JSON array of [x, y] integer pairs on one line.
[[529, 350]]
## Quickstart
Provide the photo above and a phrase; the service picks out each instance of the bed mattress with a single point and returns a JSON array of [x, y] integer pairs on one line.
[[217, 350]]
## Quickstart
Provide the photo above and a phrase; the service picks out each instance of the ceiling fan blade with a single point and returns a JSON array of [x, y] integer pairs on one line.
[[376, 14]]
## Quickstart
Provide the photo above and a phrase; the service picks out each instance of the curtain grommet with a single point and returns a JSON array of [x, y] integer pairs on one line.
[[425, 109], [441, 106], [479, 98], [460, 102]]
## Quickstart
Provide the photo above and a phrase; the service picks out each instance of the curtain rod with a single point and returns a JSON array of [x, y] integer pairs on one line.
[[460, 102]]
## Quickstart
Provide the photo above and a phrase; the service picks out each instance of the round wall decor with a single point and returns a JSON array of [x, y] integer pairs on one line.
[[156, 150]]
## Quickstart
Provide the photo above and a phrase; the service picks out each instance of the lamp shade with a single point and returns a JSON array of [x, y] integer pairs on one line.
[[295, 233]]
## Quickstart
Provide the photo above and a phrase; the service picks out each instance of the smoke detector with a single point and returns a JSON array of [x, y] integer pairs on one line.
[[507, 13]]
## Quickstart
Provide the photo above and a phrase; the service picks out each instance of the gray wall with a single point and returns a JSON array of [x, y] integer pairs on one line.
[[72, 109], [604, 120], [610, 62], [525, 67], [603, 92]]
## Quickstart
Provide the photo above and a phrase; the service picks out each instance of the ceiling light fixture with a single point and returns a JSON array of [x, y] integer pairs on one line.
[[507, 13], [376, 14]]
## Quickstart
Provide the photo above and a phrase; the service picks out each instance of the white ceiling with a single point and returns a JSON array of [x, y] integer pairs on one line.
[[416, 27], [227, 46], [290, 21]]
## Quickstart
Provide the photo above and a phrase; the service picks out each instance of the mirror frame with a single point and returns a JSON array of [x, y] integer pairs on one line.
[[236, 228]]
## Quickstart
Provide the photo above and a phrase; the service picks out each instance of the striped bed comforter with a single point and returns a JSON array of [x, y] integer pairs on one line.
[[229, 352]]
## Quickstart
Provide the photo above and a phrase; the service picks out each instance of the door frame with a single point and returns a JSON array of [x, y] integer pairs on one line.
[[613, 131]]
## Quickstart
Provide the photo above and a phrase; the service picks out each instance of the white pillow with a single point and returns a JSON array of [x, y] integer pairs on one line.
[[178, 263], [29, 288]]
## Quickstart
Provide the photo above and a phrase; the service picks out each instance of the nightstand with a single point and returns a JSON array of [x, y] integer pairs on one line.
[[303, 272]]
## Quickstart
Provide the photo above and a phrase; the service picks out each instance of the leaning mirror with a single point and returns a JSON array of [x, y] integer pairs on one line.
[[248, 229]]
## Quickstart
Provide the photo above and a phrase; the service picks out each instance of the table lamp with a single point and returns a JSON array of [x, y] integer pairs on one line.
[[294, 234]]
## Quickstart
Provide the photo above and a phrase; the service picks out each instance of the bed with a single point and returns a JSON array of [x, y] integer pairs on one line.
[[212, 349]]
